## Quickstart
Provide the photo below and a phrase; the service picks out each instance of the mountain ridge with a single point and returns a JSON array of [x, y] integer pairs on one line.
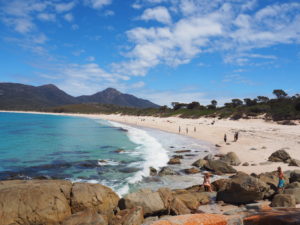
[[21, 96]]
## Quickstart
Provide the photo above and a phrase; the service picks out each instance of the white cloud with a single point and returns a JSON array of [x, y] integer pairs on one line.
[[109, 13], [64, 7], [90, 58], [75, 27], [69, 17], [138, 85], [98, 4], [160, 14], [47, 17]]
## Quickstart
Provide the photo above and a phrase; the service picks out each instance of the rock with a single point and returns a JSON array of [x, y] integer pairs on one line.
[[134, 216], [199, 163], [295, 192], [253, 149], [178, 156], [258, 206], [270, 178], [220, 185], [293, 185], [209, 156], [295, 176], [242, 189], [192, 171], [93, 196], [274, 217], [174, 161], [190, 155], [150, 201], [245, 164], [279, 156], [150, 220], [219, 166], [195, 219], [129, 170], [294, 162], [283, 200], [194, 199], [153, 171], [177, 207], [218, 146], [119, 150], [34, 201], [182, 151], [231, 158], [167, 171], [87, 217]]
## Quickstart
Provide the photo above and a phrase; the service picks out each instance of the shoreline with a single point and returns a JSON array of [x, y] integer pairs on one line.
[[258, 139]]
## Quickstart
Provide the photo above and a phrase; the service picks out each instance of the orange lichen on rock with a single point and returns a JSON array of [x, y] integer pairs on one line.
[[194, 219]]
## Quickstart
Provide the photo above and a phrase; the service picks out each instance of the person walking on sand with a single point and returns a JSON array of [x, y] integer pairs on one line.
[[206, 182], [179, 129], [281, 182], [236, 136], [187, 130], [225, 138], [195, 129]]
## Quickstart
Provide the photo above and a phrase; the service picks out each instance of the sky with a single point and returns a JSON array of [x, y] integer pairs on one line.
[[161, 50]]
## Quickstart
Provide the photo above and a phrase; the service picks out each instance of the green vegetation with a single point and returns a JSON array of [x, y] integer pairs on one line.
[[282, 108]]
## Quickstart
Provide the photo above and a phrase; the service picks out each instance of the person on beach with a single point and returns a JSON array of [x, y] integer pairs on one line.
[[179, 129], [187, 130], [236, 136], [281, 180], [206, 182], [225, 138], [195, 129]]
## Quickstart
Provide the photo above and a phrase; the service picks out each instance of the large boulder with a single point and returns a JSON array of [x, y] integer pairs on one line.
[[284, 200], [34, 202], [167, 171], [88, 217], [295, 176], [150, 201], [295, 192], [194, 199], [199, 163], [231, 158], [280, 156], [93, 196], [242, 189], [293, 185], [134, 216], [218, 166], [192, 170]]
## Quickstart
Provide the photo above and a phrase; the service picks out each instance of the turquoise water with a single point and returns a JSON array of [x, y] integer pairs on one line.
[[86, 150], [63, 147]]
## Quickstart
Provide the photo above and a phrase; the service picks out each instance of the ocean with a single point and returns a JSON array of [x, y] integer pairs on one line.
[[92, 150]]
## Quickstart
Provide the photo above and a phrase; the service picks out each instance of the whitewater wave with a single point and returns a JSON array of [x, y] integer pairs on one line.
[[154, 154]]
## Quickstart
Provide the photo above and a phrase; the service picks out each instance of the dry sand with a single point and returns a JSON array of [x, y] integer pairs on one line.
[[257, 139]]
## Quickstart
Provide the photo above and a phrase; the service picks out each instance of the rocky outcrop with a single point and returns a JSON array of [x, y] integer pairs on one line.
[[280, 156], [167, 171], [53, 201], [93, 196], [150, 201], [218, 166], [283, 200], [293, 185], [231, 158], [134, 216], [242, 189], [87, 217], [153, 171]]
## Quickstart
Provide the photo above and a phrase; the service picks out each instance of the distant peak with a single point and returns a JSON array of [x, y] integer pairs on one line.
[[48, 86], [112, 90]]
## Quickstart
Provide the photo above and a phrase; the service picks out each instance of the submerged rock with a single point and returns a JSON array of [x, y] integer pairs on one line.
[[153, 171], [174, 161], [191, 170], [183, 151]]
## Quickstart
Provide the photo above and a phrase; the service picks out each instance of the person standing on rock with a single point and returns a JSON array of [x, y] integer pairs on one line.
[[206, 182], [281, 180]]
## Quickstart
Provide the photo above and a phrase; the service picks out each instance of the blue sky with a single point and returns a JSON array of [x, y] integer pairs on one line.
[[162, 50]]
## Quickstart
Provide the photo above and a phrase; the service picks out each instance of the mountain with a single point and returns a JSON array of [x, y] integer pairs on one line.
[[113, 96], [20, 96], [15, 96]]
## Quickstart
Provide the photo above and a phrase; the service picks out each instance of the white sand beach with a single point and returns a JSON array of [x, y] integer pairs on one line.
[[258, 139]]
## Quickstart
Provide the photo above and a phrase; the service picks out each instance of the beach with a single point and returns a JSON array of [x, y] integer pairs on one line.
[[258, 139]]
